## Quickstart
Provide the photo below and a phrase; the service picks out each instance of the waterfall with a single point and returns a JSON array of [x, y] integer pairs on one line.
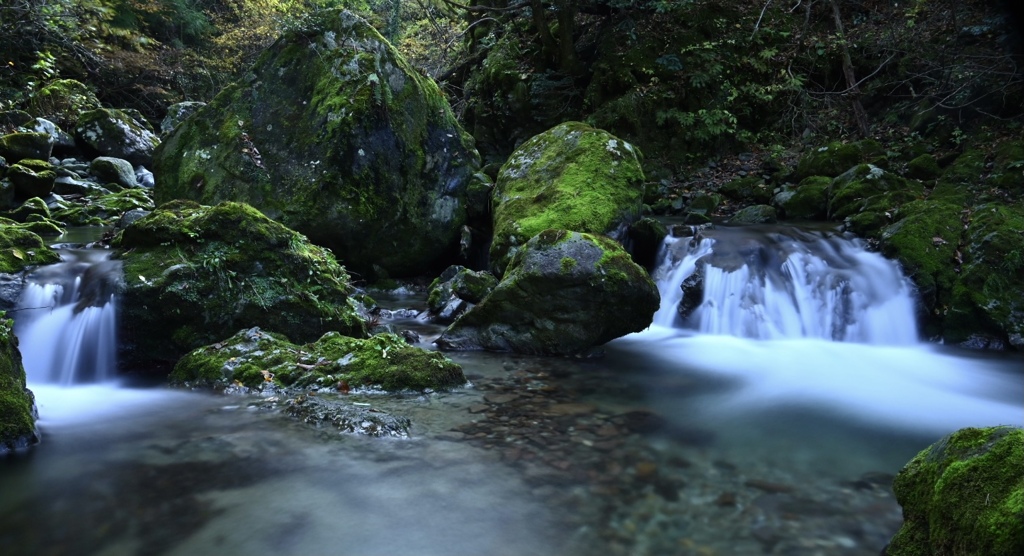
[[784, 283], [65, 320]]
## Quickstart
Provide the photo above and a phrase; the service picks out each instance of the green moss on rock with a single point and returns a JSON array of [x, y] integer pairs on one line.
[[572, 177], [807, 201], [835, 158], [195, 274], [104, 210], [544, 305], [16, 147], [254, 358], [986, 299], [963, 495], [62, 100], [21, 248], [338, 137], [17, 405], [32, 178]]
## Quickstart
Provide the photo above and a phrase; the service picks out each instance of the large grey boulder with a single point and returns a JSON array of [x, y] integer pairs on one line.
[[117, 133], [336, 136], [563, 294]]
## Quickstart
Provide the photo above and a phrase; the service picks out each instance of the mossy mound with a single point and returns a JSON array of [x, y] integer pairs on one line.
[[808, 200], [254, 358], [104, 210], [963, 495], [563, 294], [750, 189], [755, 214], [21, 248], [987, 299], [925, 240], [571, 177], [195, 274], [835, 158], [338, 137], [32, 178], [62, 100], [17, 405]]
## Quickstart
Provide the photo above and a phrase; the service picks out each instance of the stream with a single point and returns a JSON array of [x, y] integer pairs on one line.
[[713, 432]]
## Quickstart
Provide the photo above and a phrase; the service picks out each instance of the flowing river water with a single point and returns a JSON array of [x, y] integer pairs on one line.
[[767, 419]]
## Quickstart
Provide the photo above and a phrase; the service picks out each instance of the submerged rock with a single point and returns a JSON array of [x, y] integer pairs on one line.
[[254, 358], [196, 274], [563, 294], [17, 405], [572, 177], [336, 136], [346, 417], [963, 495]]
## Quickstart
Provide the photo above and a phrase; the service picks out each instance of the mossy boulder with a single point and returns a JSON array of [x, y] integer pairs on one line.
[[564, 293], [16, 147], [336, 136], [835, 158], [108, 169], [63, 143], [32, 178], [104, 210], [750, 189], [1008, 167], [867, 197], [255, 358], [572, 177], [923, 167], [755, 214], [21, 248], [808, 200], [62, 100], [963, 495], [924, 240], [987, 298], [32, 208], [195, 274], [177, 113], [17, 405], [116, 133], [456, 290]]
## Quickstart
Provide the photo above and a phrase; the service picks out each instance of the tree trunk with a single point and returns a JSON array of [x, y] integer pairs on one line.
[[851, 80]]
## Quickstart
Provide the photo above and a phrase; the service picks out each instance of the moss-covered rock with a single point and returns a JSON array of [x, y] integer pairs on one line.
[[563, 294], [32, 178], [335, 135], [30, 209], [21, 248], [16, 147], [963, 495], [925, 240], [195, 274], [118, 134], [456, 290], [109, 170], [255, 358], [835, 158], [750, 189], [987, 298], [177, 113], [17, 405], [867, 197], [571, 177], [808, 200], [62, 100], [755, 214], [923, 167], [104, 210]]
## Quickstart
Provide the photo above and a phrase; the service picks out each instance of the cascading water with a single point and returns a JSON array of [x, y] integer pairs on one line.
[[66, 319], [778, 284]]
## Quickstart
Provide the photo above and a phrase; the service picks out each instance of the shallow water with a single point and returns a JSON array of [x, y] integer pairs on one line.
[[673, 443]]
